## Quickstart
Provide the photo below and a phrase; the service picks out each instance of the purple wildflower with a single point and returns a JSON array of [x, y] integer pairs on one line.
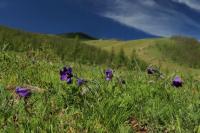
[[69, 80], [23, 92], [66, 75], [109, 74], [81, 82], [177, 82]]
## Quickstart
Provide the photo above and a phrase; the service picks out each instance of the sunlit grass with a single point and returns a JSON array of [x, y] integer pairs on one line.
[[147, 51], [141, 102], [98, 106]]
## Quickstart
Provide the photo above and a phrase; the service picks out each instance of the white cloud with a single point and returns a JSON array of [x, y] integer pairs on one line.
[[150, 17], [194, 4]]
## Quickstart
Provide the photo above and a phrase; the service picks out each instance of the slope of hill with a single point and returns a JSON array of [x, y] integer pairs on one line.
[[67, 49], [80, 35], [159, 52]]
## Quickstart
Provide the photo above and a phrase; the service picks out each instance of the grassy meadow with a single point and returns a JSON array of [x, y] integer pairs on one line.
[[141, 103]]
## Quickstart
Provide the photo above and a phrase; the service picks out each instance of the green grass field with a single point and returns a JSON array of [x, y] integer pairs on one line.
[[145, 103], [147, 50]]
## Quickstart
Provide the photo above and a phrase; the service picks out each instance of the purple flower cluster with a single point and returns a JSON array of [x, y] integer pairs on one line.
[[177, 82], [23, 92], [66, 75], [109, 74]]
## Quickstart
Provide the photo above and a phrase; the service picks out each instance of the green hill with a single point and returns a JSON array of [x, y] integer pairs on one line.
[[174, 54], [67, 49], [79, 35]]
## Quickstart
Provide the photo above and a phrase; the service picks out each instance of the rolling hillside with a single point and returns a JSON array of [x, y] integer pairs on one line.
[[148, 50], [66, 48]]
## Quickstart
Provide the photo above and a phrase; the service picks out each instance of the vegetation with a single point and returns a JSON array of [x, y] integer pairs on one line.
[[148, 51], [79, 35], [67, 49], [99, 106], [182, 50], [142, 102]]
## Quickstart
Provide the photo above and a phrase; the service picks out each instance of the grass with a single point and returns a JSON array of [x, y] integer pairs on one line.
[[147, 50], [104, 107], [128, 46], [145, 103], [182, 50], [66, 48]]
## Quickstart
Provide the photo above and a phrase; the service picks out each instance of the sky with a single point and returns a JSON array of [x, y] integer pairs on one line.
[[119, 19]]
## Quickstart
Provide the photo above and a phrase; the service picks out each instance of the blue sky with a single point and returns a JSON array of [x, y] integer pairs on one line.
[[122, 19]]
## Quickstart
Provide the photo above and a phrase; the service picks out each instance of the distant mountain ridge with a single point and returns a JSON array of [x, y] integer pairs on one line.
[[70, 35], [80, 35]]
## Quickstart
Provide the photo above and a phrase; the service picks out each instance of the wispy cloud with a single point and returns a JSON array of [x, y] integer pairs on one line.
[[151, 17], [194, 4]]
